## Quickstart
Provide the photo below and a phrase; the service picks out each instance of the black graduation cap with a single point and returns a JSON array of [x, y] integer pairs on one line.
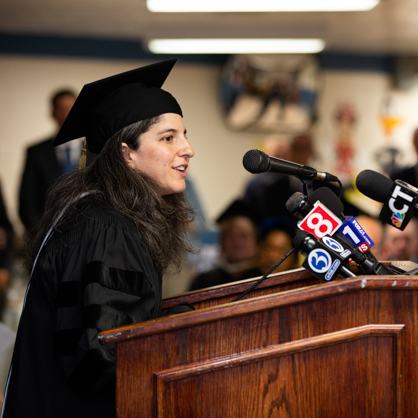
[[105, 106], [282, 223], [236, 208]]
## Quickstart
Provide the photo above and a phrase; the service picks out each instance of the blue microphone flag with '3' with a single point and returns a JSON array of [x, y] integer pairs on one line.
[[325, 258]]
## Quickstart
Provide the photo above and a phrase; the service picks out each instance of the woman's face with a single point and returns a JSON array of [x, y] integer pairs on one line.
[[163, 154]]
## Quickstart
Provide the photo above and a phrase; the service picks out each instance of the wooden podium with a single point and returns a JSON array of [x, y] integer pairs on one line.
[[293, 348]]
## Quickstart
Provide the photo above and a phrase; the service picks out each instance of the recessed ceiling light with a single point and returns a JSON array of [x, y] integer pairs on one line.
[[236, 46], [260, 5]]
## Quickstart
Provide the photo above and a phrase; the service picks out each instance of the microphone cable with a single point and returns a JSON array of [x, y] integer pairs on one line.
[[263, 278]]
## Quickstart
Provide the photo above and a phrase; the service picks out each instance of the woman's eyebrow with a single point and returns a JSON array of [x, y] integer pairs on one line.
[[171, 130], [167, 130]]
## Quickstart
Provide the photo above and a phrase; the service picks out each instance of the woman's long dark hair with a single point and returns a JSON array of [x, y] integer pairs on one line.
[[113, 185]]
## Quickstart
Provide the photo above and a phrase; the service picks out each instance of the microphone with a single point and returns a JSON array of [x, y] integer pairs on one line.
[[330, 200], [325, 258], [300, 206], [256, 161], [348, 233], [350, 228], [398, 197], [352, 231], [317, 219], [374, 185]]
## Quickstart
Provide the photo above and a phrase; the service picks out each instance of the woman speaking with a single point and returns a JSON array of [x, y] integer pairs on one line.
[[97, 256]]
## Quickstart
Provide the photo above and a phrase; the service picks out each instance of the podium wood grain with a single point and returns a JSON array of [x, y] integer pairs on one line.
[[343, 349]]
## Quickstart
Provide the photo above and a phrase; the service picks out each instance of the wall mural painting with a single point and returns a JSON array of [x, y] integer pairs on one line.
[[270, 93], [345, 119]]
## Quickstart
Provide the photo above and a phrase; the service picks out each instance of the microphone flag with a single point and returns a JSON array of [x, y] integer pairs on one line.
[[320, 221], [399, 208]]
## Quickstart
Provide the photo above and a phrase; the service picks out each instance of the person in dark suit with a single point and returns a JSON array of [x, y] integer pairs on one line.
[[44, 164], [409, 174]]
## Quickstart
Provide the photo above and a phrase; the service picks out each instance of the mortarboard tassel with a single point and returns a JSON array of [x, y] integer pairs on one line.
[[82, 162]]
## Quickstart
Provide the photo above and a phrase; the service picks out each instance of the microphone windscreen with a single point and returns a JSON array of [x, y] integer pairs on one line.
[[374, 185], [299, 205], [294, 201], [298, 239], [327, 197], [256, 161]]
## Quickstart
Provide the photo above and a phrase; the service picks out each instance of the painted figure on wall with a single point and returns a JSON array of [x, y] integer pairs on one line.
[[345, 117]]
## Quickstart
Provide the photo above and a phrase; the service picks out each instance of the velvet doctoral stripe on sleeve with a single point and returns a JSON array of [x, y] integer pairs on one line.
[[105, 298]]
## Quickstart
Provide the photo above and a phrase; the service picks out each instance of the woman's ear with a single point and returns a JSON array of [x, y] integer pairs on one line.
[[126, 151]]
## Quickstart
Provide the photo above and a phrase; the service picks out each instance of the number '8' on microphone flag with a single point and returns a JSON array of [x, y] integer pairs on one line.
[[320, 221]]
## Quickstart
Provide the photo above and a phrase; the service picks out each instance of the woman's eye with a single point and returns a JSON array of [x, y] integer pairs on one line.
[[168, 138]]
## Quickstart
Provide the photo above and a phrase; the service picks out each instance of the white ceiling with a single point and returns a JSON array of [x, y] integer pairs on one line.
[[390, 28]]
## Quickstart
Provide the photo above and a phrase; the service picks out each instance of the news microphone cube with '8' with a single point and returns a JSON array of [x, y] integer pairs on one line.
[[320, 221]]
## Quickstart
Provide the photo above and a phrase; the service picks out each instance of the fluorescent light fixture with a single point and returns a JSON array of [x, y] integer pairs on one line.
[[236, 46], [260, 5]]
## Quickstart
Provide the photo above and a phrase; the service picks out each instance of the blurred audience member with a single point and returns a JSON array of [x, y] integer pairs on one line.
[[401, 245], [409, 174], [277, 146], [375, 230], [238, 249], [276, 235], [301, 149], [44, 164], [6, 253], [301, 152]]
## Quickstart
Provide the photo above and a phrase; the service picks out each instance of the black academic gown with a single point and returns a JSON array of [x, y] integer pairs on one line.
[[93, 275]]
